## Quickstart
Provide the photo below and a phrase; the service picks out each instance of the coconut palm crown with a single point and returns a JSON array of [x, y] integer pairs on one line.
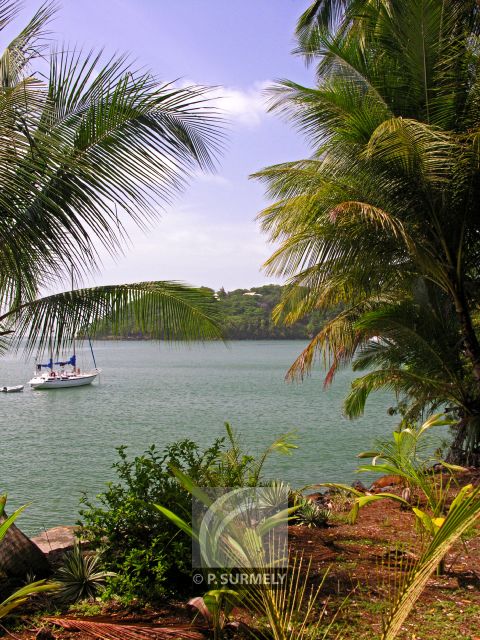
[[389, 200]]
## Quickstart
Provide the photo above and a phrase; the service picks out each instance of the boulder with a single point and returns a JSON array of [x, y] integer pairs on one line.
[[56, 538], [386, 483], [54, 542], [359, 486]]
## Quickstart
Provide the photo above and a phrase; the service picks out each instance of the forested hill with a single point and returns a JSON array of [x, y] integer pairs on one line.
[[247, 315]]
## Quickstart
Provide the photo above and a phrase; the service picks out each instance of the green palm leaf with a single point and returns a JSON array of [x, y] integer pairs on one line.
[[386, 204], [96, 142], [463, 515], [167, 310]]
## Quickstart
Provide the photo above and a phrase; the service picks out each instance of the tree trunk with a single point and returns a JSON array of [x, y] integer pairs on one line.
[[469, 337], [19, 556], [465, 448]]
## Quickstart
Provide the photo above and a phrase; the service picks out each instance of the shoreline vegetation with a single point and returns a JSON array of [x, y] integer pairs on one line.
[[126, 570], [243, 314]]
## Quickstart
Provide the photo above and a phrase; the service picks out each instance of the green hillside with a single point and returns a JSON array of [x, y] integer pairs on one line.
[[247, 315]]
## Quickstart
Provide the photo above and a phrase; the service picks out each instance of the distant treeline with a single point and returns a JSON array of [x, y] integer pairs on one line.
[[247, 315]]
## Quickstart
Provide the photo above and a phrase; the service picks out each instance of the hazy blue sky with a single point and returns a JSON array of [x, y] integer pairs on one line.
[[209, 235]]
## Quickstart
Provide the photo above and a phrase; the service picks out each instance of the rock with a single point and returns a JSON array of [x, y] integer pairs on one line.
[[388, 489], [19, 556], [320, 499], [314, 497], [54, 542], [386, 483], [56, 538], [359, 486], [469, 580], [399, 558]]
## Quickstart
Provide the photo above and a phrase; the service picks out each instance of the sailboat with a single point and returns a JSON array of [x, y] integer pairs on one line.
[[63, 378]]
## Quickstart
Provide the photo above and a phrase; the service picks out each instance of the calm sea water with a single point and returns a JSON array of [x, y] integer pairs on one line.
[[56, 444]]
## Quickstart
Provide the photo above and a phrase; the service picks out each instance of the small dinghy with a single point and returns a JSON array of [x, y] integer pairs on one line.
[[16, 389]]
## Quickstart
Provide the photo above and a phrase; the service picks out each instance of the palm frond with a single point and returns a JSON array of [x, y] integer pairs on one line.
[[463, 514], [123, 631], [31, 42], [100, 140], [22, 595], [9, 9], [165, 310], [419, 149], [335, 343], [402, 382]]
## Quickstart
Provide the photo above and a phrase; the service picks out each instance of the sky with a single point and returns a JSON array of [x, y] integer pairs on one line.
[[209, 235]]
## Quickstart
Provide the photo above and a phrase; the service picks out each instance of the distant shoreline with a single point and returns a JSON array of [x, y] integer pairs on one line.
[[229, 339], [243, 314]]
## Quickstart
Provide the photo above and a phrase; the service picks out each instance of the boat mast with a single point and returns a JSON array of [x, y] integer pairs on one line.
[[51, 350], [75, 360]]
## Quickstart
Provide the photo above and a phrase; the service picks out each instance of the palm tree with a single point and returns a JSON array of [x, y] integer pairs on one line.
[[84, 143], [389, 197], [95, 142]]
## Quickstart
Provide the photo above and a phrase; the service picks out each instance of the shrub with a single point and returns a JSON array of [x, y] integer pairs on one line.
[[311, 515], [80, 576], [150, 556]]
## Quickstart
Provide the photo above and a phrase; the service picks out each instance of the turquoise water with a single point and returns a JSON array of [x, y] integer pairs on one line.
[[56, 444]]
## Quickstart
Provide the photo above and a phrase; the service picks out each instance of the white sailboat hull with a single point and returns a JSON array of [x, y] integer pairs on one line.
[[63, 382]]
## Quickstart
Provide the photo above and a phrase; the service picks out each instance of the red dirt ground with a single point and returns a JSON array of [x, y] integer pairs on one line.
[[361, 565]]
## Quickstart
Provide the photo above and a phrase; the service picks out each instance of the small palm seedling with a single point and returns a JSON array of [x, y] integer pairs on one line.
[[237, 467], [80, 576], [463, 514], [312, 515], [288, 604], [216, 607]]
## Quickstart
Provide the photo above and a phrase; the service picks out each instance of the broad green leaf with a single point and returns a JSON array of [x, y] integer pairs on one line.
[[4, 527], [179, 522]]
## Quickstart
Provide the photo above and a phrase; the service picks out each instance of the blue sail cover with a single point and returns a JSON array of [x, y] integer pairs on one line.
[[50, 363], [72, 361]]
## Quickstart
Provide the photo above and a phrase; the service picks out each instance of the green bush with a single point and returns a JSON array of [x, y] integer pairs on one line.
[[311, 515], [149, 554], [151, 557], [80, 576]]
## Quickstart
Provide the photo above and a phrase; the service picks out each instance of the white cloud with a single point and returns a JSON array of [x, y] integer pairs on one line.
[[212, 178], [194, 248], [244, 106], [241, 106]]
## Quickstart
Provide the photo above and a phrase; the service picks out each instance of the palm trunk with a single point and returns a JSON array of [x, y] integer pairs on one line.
[[470, 340], [19, 556], [465, 448]]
